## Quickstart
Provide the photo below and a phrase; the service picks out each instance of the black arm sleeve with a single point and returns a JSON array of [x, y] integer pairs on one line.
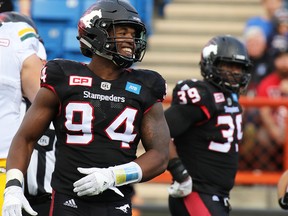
[[180, 117]]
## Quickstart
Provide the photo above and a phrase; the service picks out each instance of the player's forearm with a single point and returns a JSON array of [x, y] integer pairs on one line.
[[282, 184], [155, 139], [153, 163], [19, 155], [172, 150]]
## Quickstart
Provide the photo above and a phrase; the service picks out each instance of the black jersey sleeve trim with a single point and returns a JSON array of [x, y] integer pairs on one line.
[[180, 117]]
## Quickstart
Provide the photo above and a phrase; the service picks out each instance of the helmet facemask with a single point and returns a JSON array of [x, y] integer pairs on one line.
[[137, 44], [231, 76]]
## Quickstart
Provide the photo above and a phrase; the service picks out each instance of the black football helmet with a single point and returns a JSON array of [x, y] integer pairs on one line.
[[225, 49], [99, 19]]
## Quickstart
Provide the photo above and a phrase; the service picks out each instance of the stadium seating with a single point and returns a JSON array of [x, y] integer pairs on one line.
[[145, 10], [52, 35], [86, 4], [67, 11], [57, 21], [71, 49]]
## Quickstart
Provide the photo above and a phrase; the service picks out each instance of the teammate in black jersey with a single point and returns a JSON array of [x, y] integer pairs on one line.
[[205, 123], [100, 112]]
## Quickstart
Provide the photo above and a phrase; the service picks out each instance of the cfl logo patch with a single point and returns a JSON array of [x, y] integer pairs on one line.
[[105, 86], [44, 141]]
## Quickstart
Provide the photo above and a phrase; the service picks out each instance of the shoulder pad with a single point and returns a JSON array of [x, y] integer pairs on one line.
[[191, 92], [153, 81]]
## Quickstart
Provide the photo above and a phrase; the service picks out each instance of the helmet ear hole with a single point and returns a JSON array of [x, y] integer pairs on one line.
[[206, 69], [96, 43]]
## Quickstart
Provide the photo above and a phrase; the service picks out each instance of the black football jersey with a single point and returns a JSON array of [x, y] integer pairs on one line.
[[209, 149], [99, 121]]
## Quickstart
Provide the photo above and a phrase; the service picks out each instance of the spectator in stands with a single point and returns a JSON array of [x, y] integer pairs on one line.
[[24, 6], [265, 21], [256, 44], [280, 22], [101, 111], [275, 85], [6, 5], [255, 137], [205, 120]]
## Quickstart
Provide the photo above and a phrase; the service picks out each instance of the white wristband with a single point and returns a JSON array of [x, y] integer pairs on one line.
[[127, 173], [14, 174]]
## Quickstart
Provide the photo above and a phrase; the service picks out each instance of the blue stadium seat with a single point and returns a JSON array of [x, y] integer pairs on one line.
[[71, 46], [52, 35], [16, 5], [67, 11], [57, 21], [144, 7], [86, 4]]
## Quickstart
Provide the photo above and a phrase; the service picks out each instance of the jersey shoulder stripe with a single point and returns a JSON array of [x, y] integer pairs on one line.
[[26, 33]]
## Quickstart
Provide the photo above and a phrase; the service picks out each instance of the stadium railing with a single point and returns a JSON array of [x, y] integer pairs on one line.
[[249, 177]]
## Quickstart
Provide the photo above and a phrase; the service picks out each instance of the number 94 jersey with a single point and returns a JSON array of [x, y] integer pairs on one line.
[[99, 121], [209, 149]]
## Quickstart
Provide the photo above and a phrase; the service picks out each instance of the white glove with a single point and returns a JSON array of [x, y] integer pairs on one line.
[[96, 181], [14, 201], [183, 189]]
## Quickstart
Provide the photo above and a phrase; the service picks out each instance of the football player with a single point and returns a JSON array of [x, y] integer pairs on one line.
[[100, 112], [22, 56], [205, 123], [24, 41]]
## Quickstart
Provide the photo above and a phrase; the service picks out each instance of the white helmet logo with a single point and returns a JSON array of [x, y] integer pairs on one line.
[[88, 17], [209, 49]]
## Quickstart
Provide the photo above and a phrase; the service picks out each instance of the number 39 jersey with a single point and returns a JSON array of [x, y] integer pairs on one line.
[[99, 121], [209, 149]]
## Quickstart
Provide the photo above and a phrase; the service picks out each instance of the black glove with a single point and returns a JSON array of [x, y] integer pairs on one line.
[[283, 201], [177, 170]]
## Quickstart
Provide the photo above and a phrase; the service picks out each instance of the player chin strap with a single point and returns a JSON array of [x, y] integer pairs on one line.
[[14, 177], [126, 173]]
